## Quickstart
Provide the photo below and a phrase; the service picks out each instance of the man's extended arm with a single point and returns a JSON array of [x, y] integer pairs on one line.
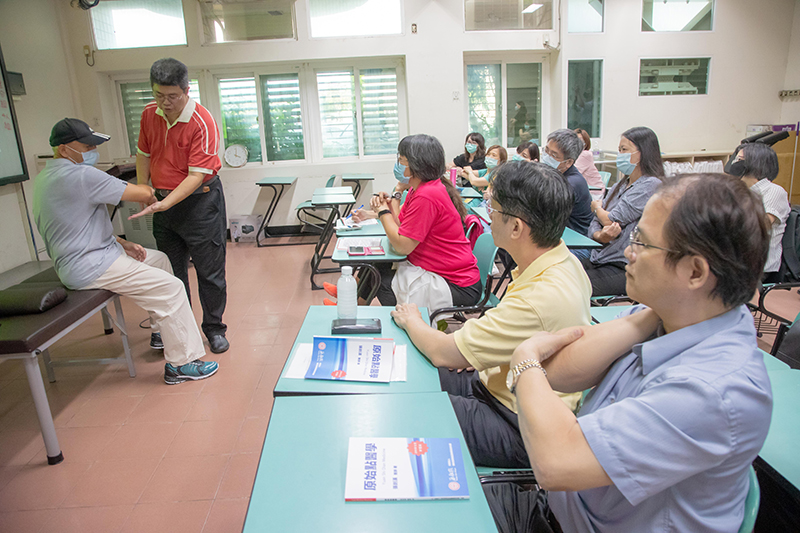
[[436, 345], [191, 182], [142, 169]]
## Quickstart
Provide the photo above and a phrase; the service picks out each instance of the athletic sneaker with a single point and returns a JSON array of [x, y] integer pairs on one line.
[[190, 371], [328, 301], [155, 341]]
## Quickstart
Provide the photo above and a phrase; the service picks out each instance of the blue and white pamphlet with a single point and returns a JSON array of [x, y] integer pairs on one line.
[[381, 469], [351, 359]]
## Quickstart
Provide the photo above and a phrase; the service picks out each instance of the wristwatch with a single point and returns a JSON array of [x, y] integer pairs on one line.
[[514, 373], [397, 195]]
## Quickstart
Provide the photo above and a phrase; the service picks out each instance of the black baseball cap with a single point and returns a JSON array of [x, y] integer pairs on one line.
[[73, 129]]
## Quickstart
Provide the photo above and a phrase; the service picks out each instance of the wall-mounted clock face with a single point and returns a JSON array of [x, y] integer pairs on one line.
[[236, 155]]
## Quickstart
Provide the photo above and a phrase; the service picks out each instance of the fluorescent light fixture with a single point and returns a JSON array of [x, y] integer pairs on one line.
[[531, 8]]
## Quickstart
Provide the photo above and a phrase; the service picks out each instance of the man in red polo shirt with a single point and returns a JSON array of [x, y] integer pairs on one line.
[[177, 151]]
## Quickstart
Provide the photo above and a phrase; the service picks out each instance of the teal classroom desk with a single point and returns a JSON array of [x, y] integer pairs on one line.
[[422, 376]]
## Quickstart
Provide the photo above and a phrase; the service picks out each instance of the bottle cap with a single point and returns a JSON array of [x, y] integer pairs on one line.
[[347, 271]]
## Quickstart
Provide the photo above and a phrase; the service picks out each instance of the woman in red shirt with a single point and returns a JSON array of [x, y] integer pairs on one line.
[[427, 229]]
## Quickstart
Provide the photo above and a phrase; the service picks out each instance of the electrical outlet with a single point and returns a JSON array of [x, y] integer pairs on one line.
[[413, 28], [455, 95], [86, 51]]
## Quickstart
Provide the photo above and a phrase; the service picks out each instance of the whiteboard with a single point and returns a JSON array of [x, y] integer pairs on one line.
[[12, 158]]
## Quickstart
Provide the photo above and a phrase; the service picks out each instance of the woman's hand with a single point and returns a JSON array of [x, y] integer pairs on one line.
[[610, 232], [596, 204], [543, 345], [379, 202], [359, 215]]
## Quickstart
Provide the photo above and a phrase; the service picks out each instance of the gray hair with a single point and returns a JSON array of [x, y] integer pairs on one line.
[[169, 72], [569, 142]]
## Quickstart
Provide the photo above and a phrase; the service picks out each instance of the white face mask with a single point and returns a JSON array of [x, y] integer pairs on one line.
[[89, 158]]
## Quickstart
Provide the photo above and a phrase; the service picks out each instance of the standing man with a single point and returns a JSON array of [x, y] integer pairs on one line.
[[70, 197], [177, 151]]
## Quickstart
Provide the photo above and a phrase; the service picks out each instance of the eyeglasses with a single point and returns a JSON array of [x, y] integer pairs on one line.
[[634, 241], [171, 97], [490, 210], [548, 152]]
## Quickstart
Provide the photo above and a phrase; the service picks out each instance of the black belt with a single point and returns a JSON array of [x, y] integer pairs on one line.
[[202, 189]]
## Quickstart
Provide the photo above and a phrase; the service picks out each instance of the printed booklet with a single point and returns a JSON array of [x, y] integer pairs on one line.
[[380, 469], [351, 359]]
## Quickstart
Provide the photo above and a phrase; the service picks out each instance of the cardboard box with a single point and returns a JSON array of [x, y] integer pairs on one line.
[[244, 227]]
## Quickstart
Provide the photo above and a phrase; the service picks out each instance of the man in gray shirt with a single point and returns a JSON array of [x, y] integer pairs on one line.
[[69, 206]]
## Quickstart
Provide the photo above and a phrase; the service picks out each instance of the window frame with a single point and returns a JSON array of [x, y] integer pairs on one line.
[[678, 32], [504, 60], [601, 32], [203, 42], [96, 48], [565, 95], [402, 33], [695, 56], [554, 26]]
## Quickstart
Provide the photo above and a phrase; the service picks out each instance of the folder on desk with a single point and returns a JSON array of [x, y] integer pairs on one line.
[[381, 469], [351, 359]]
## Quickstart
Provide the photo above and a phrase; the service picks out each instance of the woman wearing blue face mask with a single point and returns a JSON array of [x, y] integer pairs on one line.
[[527, 151], [472, 158], [495, 156], [616, 216]]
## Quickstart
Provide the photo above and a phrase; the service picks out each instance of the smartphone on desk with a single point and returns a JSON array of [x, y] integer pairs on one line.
[[356, 250]]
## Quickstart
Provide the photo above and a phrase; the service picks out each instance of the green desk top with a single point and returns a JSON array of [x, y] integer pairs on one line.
[[772, 363], [605, 314], [275, 181], [573, 239], [422, 376], [332, 190], [373, 230], [784, 432], [341, 256], [300, 480], [481, 212], [333, 199], [357, 177], [469, 192]]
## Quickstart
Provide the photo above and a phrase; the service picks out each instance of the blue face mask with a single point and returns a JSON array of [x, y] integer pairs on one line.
[[471, 147], [517, 157], [550, 161], [491, 162], [399, 170], [89, 158], [624, 164]]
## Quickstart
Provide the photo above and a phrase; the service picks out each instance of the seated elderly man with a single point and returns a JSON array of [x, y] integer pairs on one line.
[[69, 204], [681, 402], [561, 151], [529, 207]]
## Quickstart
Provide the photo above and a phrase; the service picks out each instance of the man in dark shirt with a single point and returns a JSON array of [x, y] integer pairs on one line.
[[561, 151]]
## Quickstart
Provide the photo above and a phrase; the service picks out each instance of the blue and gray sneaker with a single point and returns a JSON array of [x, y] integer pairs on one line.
[[190, 371], [155, 341]]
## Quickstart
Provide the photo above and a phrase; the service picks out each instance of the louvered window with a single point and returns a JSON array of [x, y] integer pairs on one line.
[[237, 98], [379, 114], [283, 127], [135, 96], [337, 103]]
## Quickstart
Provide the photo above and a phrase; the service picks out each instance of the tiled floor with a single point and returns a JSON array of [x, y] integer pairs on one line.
[[141, 456]]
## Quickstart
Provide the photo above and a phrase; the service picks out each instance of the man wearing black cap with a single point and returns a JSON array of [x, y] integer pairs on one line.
[[69, 204], [177, 153]]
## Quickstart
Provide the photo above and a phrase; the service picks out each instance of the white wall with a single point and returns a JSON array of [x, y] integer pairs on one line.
[[790, 110], [748, 49], [31, 39]]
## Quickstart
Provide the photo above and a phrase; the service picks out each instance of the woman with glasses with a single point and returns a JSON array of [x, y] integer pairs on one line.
[[616, 215]]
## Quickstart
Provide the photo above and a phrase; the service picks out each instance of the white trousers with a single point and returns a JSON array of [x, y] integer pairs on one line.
[[151, 286]]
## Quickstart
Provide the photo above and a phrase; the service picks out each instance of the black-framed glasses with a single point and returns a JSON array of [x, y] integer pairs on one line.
[[634, 241]]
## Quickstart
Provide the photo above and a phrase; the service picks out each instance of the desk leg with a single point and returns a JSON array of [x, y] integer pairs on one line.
[[273, 203], [54, 455], [322, 246], [356, 189]]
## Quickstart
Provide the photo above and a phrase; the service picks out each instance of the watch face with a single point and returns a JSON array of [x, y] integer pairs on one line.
[[510, 380]]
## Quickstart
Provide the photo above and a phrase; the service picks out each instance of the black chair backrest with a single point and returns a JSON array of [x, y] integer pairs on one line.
[[790, 260]]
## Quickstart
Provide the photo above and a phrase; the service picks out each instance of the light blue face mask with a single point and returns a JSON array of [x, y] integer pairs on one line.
[[471, 147], [624, 164], [491, 162], [89, 158], [517, 157], [550, 161], [399, 170]]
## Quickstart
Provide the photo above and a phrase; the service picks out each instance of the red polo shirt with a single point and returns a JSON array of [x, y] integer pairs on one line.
[[189, 145]]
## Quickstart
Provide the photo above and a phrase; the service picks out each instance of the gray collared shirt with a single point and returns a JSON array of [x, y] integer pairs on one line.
[[675, 424], [624, 208]]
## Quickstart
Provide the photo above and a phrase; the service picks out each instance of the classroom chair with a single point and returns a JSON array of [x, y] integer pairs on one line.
[[605, 176], [311, 212], [751, 503], [786, 346]]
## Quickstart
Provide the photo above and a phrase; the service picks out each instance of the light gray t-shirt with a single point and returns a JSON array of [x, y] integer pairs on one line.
[[69, 206]]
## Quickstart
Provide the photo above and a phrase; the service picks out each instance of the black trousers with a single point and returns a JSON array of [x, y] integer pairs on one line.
[[461, 295], [608, 279], [491, 430], [196, 228]]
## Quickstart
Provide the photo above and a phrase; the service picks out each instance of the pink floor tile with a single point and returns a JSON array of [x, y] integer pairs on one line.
[[41, 486], [179, 517], [221, 405], [186, 479], [105, 411], [252, 434], [88, 519], [26, 521], [238, 479], [227, 516], [205, 437], [163, 407], [112, 483], [140, 441]]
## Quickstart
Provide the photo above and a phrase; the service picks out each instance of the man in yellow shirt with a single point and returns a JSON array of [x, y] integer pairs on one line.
[[529, 208]]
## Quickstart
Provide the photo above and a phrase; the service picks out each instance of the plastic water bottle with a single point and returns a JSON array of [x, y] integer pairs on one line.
[[346, 288]]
